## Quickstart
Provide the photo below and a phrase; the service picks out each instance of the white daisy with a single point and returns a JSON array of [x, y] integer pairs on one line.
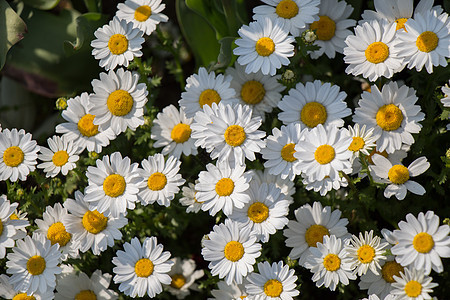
[[18, 154], [293, 15], [183, 276], [264, 45], [280, 149], [286, 186], [274, 281], [233, 291], [189, 198], [310, 226], [261, 92], [314, 103], [398, 176], [20, 221], [61, 157], [8, 226], [80, 127], [446, 100], [159, 180], [141, 269], [393, 114], [422, 242], [205, 88], [117, 43], [363, 141], [145, 14], [222, 188], [324, 185], [413, 284], [266, 211], [113, 185], [232, 251], [93, 230], [7, 291]]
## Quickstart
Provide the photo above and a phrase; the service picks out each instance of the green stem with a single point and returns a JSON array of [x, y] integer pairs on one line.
[[230, 15], [352, 186]]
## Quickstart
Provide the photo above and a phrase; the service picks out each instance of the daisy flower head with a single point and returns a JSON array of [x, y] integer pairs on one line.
[[373, 51], [183, 276], [205, 89], [172, 130], [324, 185], [231, 251], [233, 291], [393, 114], [8, 226], [293, 15], [314, 103], [422, 242], [264, 45], [144, 14], [285, 185], [398, 176], [274, 281], [117, 43], [18, 154], [92, 229], [446, 91], [363, 140], [61, 157], [80, 127], [189, 198], [413, 284], [112, 185], [142, 269], [7, 291], [20, 221], [159, 180]]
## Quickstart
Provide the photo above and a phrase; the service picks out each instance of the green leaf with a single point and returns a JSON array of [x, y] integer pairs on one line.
[[93, 5], [42, 4], [208, 10]]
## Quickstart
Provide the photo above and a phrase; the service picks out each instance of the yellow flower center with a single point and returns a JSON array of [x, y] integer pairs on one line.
[[23, 296], [86, 295], [36, 265], [86, 125], [401, 23], [389, 117], [313, 114], [224, 187], [209, 97], [423, 242], [13, 156], [366, 254], [332, 262], [252, 92], [377, 52], [1, 227], [142, 13], [120, 103], [118, 44], [265, 46], [325, 28], [314, 234], [287, 9], [57, 234], [258, 212], [114, 185], [60, 158], [94, 222], [235, 135], [273, 288], [427, 41], [181, 133], [373, 152], [357, 144], [390, 269], [143, 267], [234, 251], [413, 289], [13, 217], [157, 181], [324, 154], [178, 280], [287, 152], [398, 174]]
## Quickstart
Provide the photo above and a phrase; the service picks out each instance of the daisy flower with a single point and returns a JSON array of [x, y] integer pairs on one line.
[[20, 221], [93, 230], [413, 284], [183, 276], [205, 88], [141, 269], [18, 154], [280, 149], [274, 281], [285, 185], [363, 141], [293, 15], [393, 114], [314, 103], [398, 176], [172, 130], [395, 157], [310, 226], [221, 187], [117, 43], [325, 185], [7, 291], [33, 265], [144, 14], [264, 45], [232, 251], [233, 291], [261, 92], [80, 127], [8, 226], [446, 100], [266, 211], [159, 180], [61, 157], [113, 185], [189, 198], [373, 51], [328, 263], [421, 243]]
